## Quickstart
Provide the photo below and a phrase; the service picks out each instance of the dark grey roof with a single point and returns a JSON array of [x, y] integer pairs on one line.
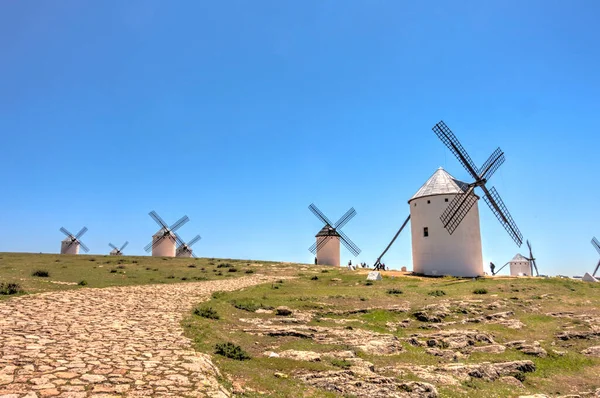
[[327, 231], [440, 183]]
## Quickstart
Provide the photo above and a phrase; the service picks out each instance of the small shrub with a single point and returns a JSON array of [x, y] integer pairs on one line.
[[279, 281], [368, 283], [41, 273], [363, 299], [184, 278], [120, 266], [219, 273], [92, 259], [232, 270], [171, 277], [113, 271], [134, 261], [249, 271], [341, 363], [480, 291], [82, 283], [192, 266], [394, 291], [314, 278], [217, 295], [230, 350], [324, 271], [148, 269], [520, 376], [8, 289], [249, 305], [437, 293], [283, 312], [206, 312], [224, 265]]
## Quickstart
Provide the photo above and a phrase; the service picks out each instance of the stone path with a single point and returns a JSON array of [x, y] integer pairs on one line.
[[118, 341]]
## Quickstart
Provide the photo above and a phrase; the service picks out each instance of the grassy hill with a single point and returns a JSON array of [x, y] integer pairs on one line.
[[320, 331]]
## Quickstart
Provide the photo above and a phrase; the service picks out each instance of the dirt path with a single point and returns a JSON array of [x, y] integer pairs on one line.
[[119, 341]]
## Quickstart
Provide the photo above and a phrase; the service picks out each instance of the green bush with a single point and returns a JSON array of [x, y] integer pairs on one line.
[[206, 312], [113, 271], [369, 283], [314, 278], [232, 269], [394, 291], [41, 273], [8, 289], [230, 350], [249, 305], [341, 363], [480, 291], [249, 271], [437, 293], [224, 265], [82, 283]]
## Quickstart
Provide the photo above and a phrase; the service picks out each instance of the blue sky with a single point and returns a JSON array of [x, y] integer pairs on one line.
[[240, 114]]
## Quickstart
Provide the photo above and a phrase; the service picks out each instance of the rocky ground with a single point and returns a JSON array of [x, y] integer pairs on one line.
[[118, 341]]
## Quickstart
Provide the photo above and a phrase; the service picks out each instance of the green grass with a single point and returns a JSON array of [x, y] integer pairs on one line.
[[364, 308], [69, 271]]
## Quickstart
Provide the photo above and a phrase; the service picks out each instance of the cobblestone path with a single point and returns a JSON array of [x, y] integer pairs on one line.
[[117, 341]]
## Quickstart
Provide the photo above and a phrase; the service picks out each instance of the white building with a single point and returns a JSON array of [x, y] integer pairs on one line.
[[183, 251], [329, 252], [434, 250], [115, 252], [520, 266], [66, 247], [167, 245]]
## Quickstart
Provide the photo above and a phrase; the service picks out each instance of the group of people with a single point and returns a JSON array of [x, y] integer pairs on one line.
[[354, 267]]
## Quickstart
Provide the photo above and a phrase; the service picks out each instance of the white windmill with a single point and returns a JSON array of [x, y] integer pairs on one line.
[[185, 249], [165, 241], [72, 243], [327, 245], [453, 246], [117, 251]]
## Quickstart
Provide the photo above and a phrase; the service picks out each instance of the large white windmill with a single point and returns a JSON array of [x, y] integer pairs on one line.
[[72, 243], [327, 245], [165, 241], [453, 246]]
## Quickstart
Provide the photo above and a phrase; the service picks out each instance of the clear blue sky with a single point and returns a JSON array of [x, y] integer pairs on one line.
[[240, 114]]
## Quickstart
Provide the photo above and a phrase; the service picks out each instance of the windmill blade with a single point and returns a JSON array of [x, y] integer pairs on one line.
[[313, 248], [345, 218], [319, 214], [450, 140], [378, 261], [596, 244], [124, 246], [194, 240], [495, 203], [113, 246], [180, 242], [530, 251], [149, 246], [84, 247], [70, 235], [349, 244], [596, 269], [323, 242], [158, 220], [458, 209], [179, 223], [80, 233], [491, 165], [194, 255], [536, 268]]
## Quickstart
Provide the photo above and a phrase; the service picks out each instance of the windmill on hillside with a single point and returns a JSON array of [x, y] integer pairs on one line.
[[116, 251], [596, 245], [185, 249], [165, 241], [327, 245], [72, 243], [462, 203]]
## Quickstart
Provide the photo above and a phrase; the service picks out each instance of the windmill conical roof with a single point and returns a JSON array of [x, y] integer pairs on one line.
[[519, 257], [440, 183], [327, 231]]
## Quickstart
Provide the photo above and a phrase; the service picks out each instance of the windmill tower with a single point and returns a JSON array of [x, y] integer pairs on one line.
[[165, 241], [185, 249], [327, 245], [116, 251], [434, 251], [72, 243], [520, 266], [457, 252], [596, 245]]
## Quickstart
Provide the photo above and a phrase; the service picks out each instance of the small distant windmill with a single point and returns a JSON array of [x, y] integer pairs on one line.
[[532, 260], [116, 251], [462, 203], [596, 244], [185, 249], [165, 241], [71, 244], [327, 245]]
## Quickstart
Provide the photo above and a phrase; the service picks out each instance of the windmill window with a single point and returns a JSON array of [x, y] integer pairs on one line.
[[425, 232], [445, 200], [429, 201]]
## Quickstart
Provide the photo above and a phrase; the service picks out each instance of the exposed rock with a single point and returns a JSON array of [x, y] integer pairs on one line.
[[283, 311], [432, 313], [578, 334], [511, 381], [448, 355], [592, 351], [301, 355], [280, 375], [348, 382], [529, 349], [463, 372], [453, 339], [490, 349], [499, 315]]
